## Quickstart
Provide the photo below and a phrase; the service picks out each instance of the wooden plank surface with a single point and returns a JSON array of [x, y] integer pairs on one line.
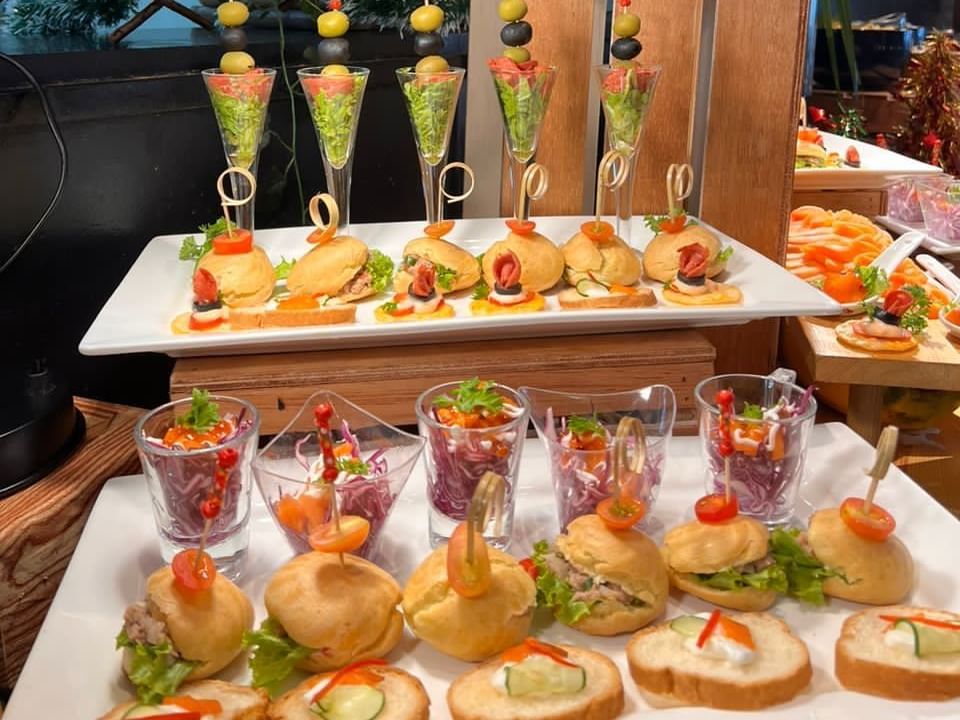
[[40, 526], [387, 382], [864, 202], [751, 140]]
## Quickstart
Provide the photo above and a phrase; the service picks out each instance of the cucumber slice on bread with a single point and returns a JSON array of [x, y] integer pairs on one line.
[[541, 675], [350, 702], [688, 625], [929, 639]]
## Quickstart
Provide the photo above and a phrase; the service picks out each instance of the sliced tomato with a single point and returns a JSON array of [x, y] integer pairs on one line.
[[621, 513], [354, 671], [716, 508], [597, 231], [352, 534], [738, 632], [193, 575], [672, 225], [205, 288], [876, 526], [708, 629], [290, 513], [400, 312], [530, 568], [298, 302], [438, 229], [236, 242], [202, 706], [201, 325], [467, 579], [521, 227], [923, 620]]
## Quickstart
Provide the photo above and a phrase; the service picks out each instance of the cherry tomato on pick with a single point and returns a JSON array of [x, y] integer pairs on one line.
[[716, 508], [191, 575], [233, 243], [876, 526], [467, 579], [621, 513], [521, 227], [352, 534]]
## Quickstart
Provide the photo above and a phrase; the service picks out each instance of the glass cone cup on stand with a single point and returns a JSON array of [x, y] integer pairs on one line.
[[431, 100], [335, 102], [626, 91], [523, 96], [240, 106]]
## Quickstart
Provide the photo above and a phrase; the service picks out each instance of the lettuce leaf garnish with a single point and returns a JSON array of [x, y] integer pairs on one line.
[[380, 268], [152, 669], [274, 655], [772, 577], [805, 574], [555, 593]]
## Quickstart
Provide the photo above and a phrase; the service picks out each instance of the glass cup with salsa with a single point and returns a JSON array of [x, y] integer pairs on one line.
[[178, 445]]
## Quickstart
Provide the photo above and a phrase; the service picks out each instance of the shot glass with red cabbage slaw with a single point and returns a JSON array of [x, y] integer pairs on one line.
[[374, 458], [471, 428], [180, 474], [770, 431], [577, 431], [903, 200], [940, 203]]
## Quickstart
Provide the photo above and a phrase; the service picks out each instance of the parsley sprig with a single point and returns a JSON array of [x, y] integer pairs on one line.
[[873, 279], [585, 426], [203, 414], [654, 222], [282, 270], [190, 249], [752, 412], [353, 466], [472, 395]]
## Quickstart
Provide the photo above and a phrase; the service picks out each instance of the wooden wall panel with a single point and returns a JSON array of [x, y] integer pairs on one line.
[[748, 166]]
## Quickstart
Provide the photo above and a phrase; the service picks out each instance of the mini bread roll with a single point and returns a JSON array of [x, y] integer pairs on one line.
[[205, 627], [610, 261], [328, 267], [879, 573], [244, 279], [440, 252], [541, 262], [661, 258], [470, 629], [346, 612], [706, 548]]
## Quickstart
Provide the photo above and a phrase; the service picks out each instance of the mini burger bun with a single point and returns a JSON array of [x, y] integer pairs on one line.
[[661, 258], [470, 629], [625, 557], [720, 295], [541, 262], [328, 267], [879, 573], [238, 702], [440, 252], [342, 606], [243, 279], [609, 261], [204, 627], [847, 336]]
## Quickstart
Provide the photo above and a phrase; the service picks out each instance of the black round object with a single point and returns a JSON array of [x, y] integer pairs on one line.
[[888, 318], [425, 44], [501, 290], [516, 34], [333, 51], [233, 38], [430, 296], [204, 307], [698, 281], [39, 426], [626, 48]]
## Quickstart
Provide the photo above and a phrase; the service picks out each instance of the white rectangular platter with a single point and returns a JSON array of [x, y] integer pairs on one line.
[[877, 168], [137, 316], [73, 671], [938, 247]]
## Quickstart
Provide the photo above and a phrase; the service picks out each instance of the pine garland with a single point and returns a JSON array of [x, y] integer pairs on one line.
[[395, 14], [930, 88], [66, 17]]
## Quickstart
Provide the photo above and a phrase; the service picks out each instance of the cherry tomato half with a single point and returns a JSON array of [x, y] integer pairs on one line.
[[352, 534], [202, 706], [467, 579], [438, 229], [716, 508], [521, 227], [621, 513], [192, 575], [200, 325], [672, 225], [233, 243], [597, 231], [876, 526], [529, 567]]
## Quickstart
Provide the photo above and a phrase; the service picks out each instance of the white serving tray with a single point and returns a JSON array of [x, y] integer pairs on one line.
[[877, 168], [939, 247], [73, 671], [137, 316]]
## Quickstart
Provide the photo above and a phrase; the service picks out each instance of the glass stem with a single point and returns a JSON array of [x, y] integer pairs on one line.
[[241, 188], [430, 177], [624, 201], [338, 185], [517, 168]]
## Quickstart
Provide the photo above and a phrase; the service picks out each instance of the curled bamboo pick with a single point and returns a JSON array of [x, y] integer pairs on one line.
[[228, 202], [610, 175], [333, 213], [625, 461], [486, 504], [442, 191], [533, 186], [886, 449], [803, 112], [679, 186]]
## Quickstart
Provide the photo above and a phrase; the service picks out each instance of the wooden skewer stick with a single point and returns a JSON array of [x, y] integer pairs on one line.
[[803, 112], [226, 201], [533, 186], [610, 175], [442, 191], [333, 212], [486, 504], [629, 428], [679, 185], [886, 449], [726, 479]]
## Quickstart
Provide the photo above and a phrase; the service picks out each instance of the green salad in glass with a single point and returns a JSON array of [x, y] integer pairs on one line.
[[334, 101], [432, 102], [625, 93], [240, 106], [523, 90]]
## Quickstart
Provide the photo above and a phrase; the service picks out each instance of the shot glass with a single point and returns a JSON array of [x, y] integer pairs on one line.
[[180, 480]]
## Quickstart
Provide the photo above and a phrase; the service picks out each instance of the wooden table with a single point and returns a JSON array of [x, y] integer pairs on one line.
[[810, 345], [389, 380], [40, 526]]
